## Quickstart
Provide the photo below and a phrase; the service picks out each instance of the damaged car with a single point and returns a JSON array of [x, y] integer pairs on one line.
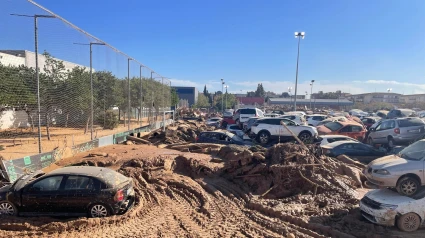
[[69, 191], [388, 208], [404, 171]]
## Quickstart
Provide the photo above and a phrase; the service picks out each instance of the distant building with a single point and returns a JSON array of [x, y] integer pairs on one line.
[[250, 101], [27, 58], [413, 98], [187, 93], [393, 98], [315, 103]]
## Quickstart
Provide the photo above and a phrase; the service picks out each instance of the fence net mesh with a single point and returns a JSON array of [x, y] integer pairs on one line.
[[77, 102]]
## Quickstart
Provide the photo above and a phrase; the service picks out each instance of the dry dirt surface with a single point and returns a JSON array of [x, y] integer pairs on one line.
[[223, 192]]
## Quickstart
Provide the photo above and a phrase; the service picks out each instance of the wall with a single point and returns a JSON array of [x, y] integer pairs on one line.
[[187, 93], [14, 119], [30, 62], [11, 60]]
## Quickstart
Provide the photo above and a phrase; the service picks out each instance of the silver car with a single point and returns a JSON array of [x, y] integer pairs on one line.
[[397, 131], [404, 171]]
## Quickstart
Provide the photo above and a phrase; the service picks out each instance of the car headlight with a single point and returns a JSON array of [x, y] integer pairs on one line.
[[381, 171], [388, 206]]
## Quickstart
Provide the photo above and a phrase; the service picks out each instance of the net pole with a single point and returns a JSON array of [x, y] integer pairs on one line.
[[37, 73], [128, 94]]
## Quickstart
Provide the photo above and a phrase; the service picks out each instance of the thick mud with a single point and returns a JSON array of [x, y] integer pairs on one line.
[[181, 194]]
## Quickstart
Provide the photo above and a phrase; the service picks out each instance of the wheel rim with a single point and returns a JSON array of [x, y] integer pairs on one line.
[[263, 138], [408, 187], [410, 222], [304, 137], [99, 211], [6, 209]]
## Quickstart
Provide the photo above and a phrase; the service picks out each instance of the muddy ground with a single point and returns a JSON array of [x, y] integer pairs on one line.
[[183, 194]]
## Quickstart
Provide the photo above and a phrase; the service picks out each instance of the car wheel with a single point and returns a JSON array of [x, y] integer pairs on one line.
[[407, 186], [237, 122], [98, 210], [263, 137], [390, 142], [7, 208], [370, 141], [409, 222], [305, 137]]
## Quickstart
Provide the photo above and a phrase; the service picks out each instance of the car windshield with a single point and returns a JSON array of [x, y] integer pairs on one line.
[[333, 126], [415, 151]]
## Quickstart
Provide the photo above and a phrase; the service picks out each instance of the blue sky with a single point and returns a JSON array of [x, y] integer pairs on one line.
[[353, 45]]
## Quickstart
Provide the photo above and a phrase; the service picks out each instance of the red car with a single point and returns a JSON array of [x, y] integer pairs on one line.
[[369, 121], [348, 128]]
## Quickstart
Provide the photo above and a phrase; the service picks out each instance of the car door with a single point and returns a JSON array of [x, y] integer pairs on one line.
[[346, 131], [43, 195], [81, 191], [378, 135]]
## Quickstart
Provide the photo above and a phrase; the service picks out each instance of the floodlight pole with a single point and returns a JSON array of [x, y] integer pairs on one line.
[[298, 35]]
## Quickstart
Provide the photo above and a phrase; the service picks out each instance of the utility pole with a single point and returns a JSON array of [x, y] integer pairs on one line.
[[311, 93], [129, 94], [141, 96]]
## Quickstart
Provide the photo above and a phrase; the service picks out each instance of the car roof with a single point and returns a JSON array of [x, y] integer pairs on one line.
[[80, 170], [345, 123], [337, 143]]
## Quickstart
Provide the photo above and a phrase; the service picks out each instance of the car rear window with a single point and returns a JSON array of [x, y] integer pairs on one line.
[[410, 122], [247, 111]]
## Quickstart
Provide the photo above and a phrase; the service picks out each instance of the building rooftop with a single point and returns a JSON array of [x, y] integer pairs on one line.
[[341, 102]]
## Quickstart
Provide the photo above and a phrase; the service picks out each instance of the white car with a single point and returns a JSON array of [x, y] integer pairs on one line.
[[243, 114], [327, 139], [313, 120], [298, 118], [235, 129], [266, 129], [214, 121], [388, 208], [271, 115]]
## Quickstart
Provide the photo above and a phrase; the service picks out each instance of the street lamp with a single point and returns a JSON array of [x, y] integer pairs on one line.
[[311, 92], [91, 82], [222, 102], [299, 35], [290, 94], [37, 73], [226, 86]]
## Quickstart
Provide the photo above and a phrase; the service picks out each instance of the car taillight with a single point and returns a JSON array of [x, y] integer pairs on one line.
[[119, 196], [397, 130]]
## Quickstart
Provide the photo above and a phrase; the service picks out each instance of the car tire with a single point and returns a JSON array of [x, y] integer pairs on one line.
[[98, 210], [370, 141], [263, 137], [237, 123], [390, 142], [409, 222], [408, 186], [8, 209], [305, 137]]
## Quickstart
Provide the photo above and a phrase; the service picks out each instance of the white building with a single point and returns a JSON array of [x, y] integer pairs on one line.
[[27, 58]]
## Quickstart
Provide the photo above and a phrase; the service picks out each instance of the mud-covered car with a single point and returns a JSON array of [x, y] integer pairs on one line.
[[69, 191], [388, 208], [403, 171]]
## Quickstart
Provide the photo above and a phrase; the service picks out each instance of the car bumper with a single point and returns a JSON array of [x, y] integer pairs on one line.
[[383, 217], [407, 138], [381, 180]]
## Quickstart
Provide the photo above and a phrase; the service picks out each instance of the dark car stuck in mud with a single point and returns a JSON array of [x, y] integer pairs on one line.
[[69, 191]]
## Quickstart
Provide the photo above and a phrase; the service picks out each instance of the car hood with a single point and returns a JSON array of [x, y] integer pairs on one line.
[[387, 161], [5, 189], [387, 196]]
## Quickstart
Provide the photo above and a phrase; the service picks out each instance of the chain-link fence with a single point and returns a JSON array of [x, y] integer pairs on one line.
[[61, 86]]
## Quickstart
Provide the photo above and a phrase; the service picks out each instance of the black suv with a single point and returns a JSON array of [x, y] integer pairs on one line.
[[70, 191]]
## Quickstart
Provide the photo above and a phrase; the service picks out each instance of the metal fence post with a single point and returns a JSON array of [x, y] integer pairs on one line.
[[141, 97], [38, 83], [129, 94]]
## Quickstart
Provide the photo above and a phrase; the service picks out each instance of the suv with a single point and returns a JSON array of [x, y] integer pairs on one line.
[[397, 113], [396, 131], [300, 119], [313, 120], [243, 114], [269, 128]]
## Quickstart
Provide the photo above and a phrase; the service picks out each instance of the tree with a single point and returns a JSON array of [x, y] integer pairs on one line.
[[250, 94], [260, 91], [174, 97], [206, 93], [285, 95], [229, 101], [202, 101]]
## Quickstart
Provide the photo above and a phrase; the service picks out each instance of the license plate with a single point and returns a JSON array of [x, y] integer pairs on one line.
[[414, 131], [366, 209]]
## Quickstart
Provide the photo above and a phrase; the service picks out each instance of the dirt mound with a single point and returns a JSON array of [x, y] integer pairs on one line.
[[181, 131]]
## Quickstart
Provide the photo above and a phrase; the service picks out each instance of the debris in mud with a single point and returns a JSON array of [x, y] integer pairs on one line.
[[180, 132]]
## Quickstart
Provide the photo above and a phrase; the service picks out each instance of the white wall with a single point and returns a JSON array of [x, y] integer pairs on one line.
[[30, 62], [13, 119], [11, 60]]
